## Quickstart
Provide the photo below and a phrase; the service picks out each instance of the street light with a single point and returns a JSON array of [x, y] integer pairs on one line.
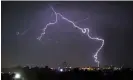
[[61, 70], [17, 76]]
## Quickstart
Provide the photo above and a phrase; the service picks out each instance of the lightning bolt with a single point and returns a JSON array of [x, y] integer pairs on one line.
[[84, 31]]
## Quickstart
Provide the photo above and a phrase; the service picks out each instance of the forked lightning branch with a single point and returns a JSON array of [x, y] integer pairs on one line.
[[83, 30]]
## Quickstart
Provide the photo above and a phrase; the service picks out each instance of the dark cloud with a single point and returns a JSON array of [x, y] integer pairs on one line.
[[111, 21]]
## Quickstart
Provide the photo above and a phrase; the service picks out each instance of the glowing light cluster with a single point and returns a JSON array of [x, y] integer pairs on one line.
[[84, 30]]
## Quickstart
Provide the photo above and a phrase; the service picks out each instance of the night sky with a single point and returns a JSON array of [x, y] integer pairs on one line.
[[22, 23]]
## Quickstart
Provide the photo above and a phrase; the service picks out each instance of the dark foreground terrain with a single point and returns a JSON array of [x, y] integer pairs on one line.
[[73, 74]]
